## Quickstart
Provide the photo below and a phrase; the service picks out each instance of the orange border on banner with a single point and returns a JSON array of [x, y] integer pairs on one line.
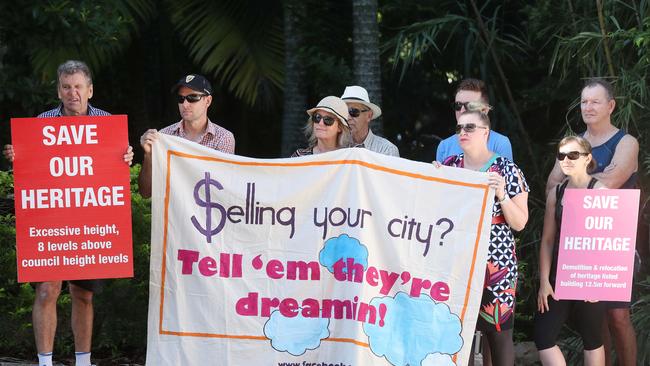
[[484, 187]]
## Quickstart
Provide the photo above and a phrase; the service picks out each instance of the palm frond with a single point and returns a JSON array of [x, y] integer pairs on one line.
[[238, 42], [93, 31]]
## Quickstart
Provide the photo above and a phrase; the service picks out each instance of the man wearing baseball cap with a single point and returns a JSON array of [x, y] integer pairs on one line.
[[361, 113], [193, 94]]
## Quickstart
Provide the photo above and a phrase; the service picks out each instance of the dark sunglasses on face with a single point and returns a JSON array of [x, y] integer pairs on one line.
[[572, 155], [354, 112], [316, 118], [467, 127], [459, 105], [191, 98]]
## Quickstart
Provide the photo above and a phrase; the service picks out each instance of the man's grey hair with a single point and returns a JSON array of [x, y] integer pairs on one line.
[[72, 67], [593, 82]]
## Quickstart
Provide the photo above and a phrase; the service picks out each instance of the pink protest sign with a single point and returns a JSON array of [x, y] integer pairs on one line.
[[597, 240]]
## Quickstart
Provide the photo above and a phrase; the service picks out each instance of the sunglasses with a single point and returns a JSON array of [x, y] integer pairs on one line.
[[467, 127], [354, 112], [191, 98], [472, 106], [572, 155], [316, 118]]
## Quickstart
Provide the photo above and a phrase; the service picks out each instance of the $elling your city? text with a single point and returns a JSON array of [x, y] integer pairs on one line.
[[252, 213]]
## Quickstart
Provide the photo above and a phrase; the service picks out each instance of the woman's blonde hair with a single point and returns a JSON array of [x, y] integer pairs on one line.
[[480, 110], [584, 145], [344, 138]]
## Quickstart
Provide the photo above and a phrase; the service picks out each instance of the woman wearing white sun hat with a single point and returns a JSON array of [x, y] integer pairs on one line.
[[327, 128]]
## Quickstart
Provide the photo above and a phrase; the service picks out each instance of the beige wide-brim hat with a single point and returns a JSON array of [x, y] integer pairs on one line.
[[357, 94], [333, 105]]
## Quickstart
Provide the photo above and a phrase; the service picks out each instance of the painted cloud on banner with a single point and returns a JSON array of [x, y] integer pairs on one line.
[[343, 247], [438, 359], [295, 335], [414, 327]]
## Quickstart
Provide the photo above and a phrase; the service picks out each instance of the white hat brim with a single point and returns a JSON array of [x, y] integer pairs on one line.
[[331, 110]]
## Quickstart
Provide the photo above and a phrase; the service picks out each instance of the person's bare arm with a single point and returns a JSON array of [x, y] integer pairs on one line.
[[515, 209], [623, 164], [546, 255]]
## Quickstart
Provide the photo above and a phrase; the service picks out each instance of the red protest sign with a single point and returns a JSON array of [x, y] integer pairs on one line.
[[72, 198]]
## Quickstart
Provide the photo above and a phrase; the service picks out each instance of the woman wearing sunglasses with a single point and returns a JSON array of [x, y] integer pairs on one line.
[[327, 128], [509, 212], [575, 160]]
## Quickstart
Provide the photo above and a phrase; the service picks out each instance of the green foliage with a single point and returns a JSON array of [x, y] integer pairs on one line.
[[121, 307], [120, 326], [641, 321], [93, 31], [15, 298], [37, 36], [239, 42]]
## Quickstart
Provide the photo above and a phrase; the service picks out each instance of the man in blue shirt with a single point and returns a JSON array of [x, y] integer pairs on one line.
[[472, 90]]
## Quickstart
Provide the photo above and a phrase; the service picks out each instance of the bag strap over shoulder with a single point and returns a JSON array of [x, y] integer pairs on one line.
[[489, 163]]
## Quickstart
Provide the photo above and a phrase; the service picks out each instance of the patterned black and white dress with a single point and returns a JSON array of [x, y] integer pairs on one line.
[[498, 301], [303, 152]]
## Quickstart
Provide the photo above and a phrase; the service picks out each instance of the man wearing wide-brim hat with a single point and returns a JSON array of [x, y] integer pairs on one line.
[[362, 111]]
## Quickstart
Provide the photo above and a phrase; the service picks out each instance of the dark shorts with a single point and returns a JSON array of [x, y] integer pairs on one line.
[[94, 286], [587, 319]]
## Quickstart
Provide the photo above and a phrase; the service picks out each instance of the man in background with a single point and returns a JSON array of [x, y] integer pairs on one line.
[[362, 112], [468, 91]]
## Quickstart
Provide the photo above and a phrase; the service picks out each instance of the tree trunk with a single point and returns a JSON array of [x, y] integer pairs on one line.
[[365, 41], [295, 94]]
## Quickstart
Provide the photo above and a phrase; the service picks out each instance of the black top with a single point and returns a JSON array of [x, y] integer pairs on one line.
[[559, 194]]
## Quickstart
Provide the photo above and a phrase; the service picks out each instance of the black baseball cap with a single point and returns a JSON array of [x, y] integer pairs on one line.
[[195, 82]]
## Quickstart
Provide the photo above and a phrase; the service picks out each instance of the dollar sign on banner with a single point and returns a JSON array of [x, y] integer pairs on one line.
[[208, 231]]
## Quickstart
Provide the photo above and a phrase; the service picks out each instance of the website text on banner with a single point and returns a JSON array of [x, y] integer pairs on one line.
[[73, 198], [597, 244], [348, 257]]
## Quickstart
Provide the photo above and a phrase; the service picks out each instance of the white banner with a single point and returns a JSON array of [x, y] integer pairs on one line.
[[344, 258]]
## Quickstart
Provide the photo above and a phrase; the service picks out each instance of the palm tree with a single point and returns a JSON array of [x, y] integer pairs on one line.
[[295, 94], [365, 42]]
